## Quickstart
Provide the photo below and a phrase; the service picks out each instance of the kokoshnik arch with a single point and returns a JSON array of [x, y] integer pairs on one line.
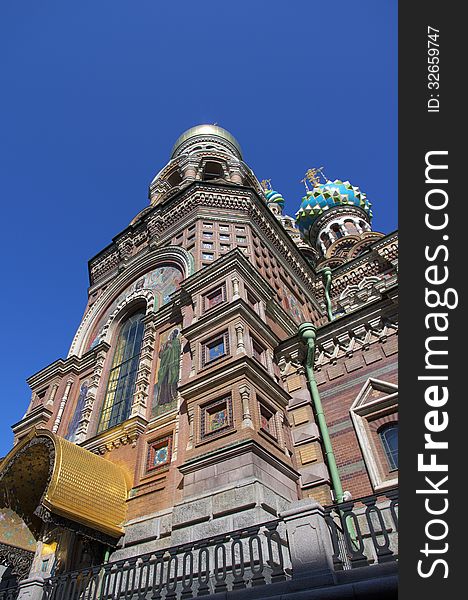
[[183, 407]]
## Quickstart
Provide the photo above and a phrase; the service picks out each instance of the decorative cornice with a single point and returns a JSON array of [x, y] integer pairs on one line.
[[127, 432], [38, 417], [204, 382], [225, 313], [237, 449], [198, 194], [71, 365]]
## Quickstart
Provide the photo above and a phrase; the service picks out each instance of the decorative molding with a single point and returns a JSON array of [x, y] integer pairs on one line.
[[142, 263], [126, 433], [18, 560], [362, 408]]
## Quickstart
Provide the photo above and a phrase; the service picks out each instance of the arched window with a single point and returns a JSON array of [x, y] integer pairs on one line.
[[122, 377], [351, 227], [75, 421], [389, 438], [337, 231], [212, 170], [174, 178], [325, 239]]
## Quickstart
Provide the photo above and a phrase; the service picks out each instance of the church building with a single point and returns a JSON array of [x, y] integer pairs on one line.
[[233, 364]]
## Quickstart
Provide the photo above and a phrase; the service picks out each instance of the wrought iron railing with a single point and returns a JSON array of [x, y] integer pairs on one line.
[[364, 531], [10, 593], [247, 557]]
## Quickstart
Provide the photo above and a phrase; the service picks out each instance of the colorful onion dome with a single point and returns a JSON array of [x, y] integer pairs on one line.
[[329, 195], [276, 197]]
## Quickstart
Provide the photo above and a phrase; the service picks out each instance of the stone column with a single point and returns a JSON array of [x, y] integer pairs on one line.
[[83, 425], [244, 392], [50, 401], [192, 360], [309, 541], [235, 175], [62, 405], [240, 339], [235, 288], [279, 419], [140, 396], [31, 588], [190, 416], [189, 172]]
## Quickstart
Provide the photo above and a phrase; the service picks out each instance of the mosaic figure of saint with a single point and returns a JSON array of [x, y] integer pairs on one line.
[[168, 372]]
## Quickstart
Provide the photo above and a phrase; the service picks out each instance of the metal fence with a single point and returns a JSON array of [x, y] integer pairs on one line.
[[9, 593], [247, 557], [364, 531]]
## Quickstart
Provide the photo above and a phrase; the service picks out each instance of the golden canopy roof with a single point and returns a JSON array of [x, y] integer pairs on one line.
[[45, 470]]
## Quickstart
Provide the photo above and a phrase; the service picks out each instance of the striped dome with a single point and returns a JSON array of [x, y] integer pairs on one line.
[[276, 197], [325, 196]]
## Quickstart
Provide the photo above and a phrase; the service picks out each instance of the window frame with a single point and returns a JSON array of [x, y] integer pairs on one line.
[[389, 453], [209, 408], [206, 361], [264, 406], [151, 448], [364, 410], [205, 297], [106, 419]]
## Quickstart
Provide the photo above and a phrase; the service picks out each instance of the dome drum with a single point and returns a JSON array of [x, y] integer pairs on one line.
[[214, 134]]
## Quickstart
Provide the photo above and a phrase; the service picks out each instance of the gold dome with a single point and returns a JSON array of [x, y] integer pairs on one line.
[[208, 130]]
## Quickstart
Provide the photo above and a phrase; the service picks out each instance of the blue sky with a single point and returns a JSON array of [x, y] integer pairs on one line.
[[94, 94]]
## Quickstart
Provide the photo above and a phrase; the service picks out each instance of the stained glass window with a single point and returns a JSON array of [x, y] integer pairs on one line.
[[75, 421], [389, 438], [122, 377]]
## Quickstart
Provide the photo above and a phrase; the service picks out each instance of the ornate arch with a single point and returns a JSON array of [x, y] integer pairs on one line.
[[170, 255]]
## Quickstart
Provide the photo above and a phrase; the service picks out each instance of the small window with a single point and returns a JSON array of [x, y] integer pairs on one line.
[[216, 417], [238, 228], [207, 256], [208, 234], [207, 245], [208, 225], [267, 419], [212, 170], [224, 237], [225, 247], [174, 178], [258, 352], [224, 227], [214, 298], [241, 240], [389, 437], [252, 300], [337, 231], [215, 348], [159, 454], [325, 239]]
